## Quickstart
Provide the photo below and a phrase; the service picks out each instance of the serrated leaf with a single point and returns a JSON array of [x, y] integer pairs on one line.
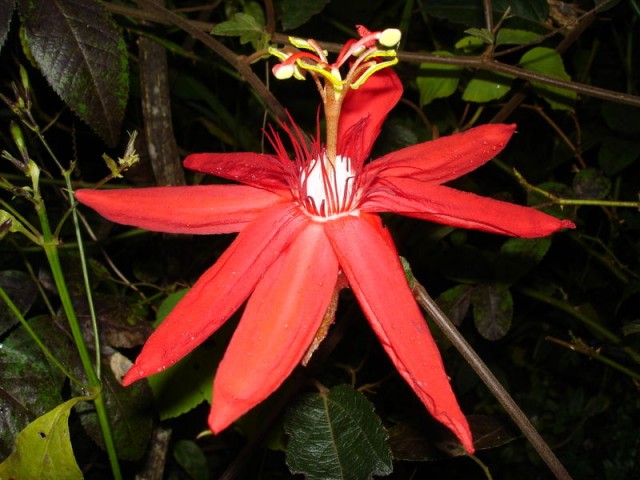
[[242, 25], [297, 12], [21, 290], [81, 53], [336, 435], [43, 449], [455, 302], [486, 86], [437, 81], [6, 12], [492, 311], [549, 62], [29, 385], [510, 36]]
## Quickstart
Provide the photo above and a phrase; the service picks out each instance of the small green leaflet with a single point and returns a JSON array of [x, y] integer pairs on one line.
[[437, 81], [549, 62], [486, 86], [492, 311], [337, 436], [43, 449], [250, 29]]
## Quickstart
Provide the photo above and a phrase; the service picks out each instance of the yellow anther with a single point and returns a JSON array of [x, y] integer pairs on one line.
[[390, 37]]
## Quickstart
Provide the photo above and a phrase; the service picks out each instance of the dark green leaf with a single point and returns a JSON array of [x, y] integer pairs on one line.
[[29, 385], [129, 414], [297, 12], [192, 459], [591, 183], [471, 12], [185, 385], [21, 290], [168, 304], [6, 12], [336, 435], [43, 449], [492, 311], [616, 154], [413, 442], [558, 189], [455, 302], [83, 57], [486, 86], [437, 81], [518, 256], [549, 62], [489, 432], [533, 10], [117, 320]]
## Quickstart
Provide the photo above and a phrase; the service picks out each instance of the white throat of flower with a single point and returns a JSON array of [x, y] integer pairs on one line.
[[328, 190]]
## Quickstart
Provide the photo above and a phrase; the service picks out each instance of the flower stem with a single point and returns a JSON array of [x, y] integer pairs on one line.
[[492, 383], [50, 246]]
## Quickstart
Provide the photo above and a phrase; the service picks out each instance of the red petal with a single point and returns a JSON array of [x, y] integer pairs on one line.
[[446, 158], [279, 323], [371, 103], [255, 169], [378, 281], [197, 210], [219, 292], [445, 205]]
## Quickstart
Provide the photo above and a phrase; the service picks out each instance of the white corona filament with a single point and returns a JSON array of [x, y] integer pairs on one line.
[[328, 190]]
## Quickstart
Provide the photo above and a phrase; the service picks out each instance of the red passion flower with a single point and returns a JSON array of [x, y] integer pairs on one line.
[[303, 220]]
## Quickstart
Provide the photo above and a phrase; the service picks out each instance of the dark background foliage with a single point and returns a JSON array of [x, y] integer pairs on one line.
[[556, 320]]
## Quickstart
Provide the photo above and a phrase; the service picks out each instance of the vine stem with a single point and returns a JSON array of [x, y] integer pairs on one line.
[[153, 12], [573, 201], [49, 243], [492, 383]]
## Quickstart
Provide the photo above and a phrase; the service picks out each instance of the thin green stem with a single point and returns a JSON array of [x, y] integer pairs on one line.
[[51, 252], [85, 271], [573, 201], [47, 353], [50, 245]]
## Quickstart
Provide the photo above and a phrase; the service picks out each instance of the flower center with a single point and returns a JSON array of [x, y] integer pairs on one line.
[[328, 190]]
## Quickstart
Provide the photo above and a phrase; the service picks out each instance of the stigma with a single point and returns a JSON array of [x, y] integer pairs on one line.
[[328, 189]]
